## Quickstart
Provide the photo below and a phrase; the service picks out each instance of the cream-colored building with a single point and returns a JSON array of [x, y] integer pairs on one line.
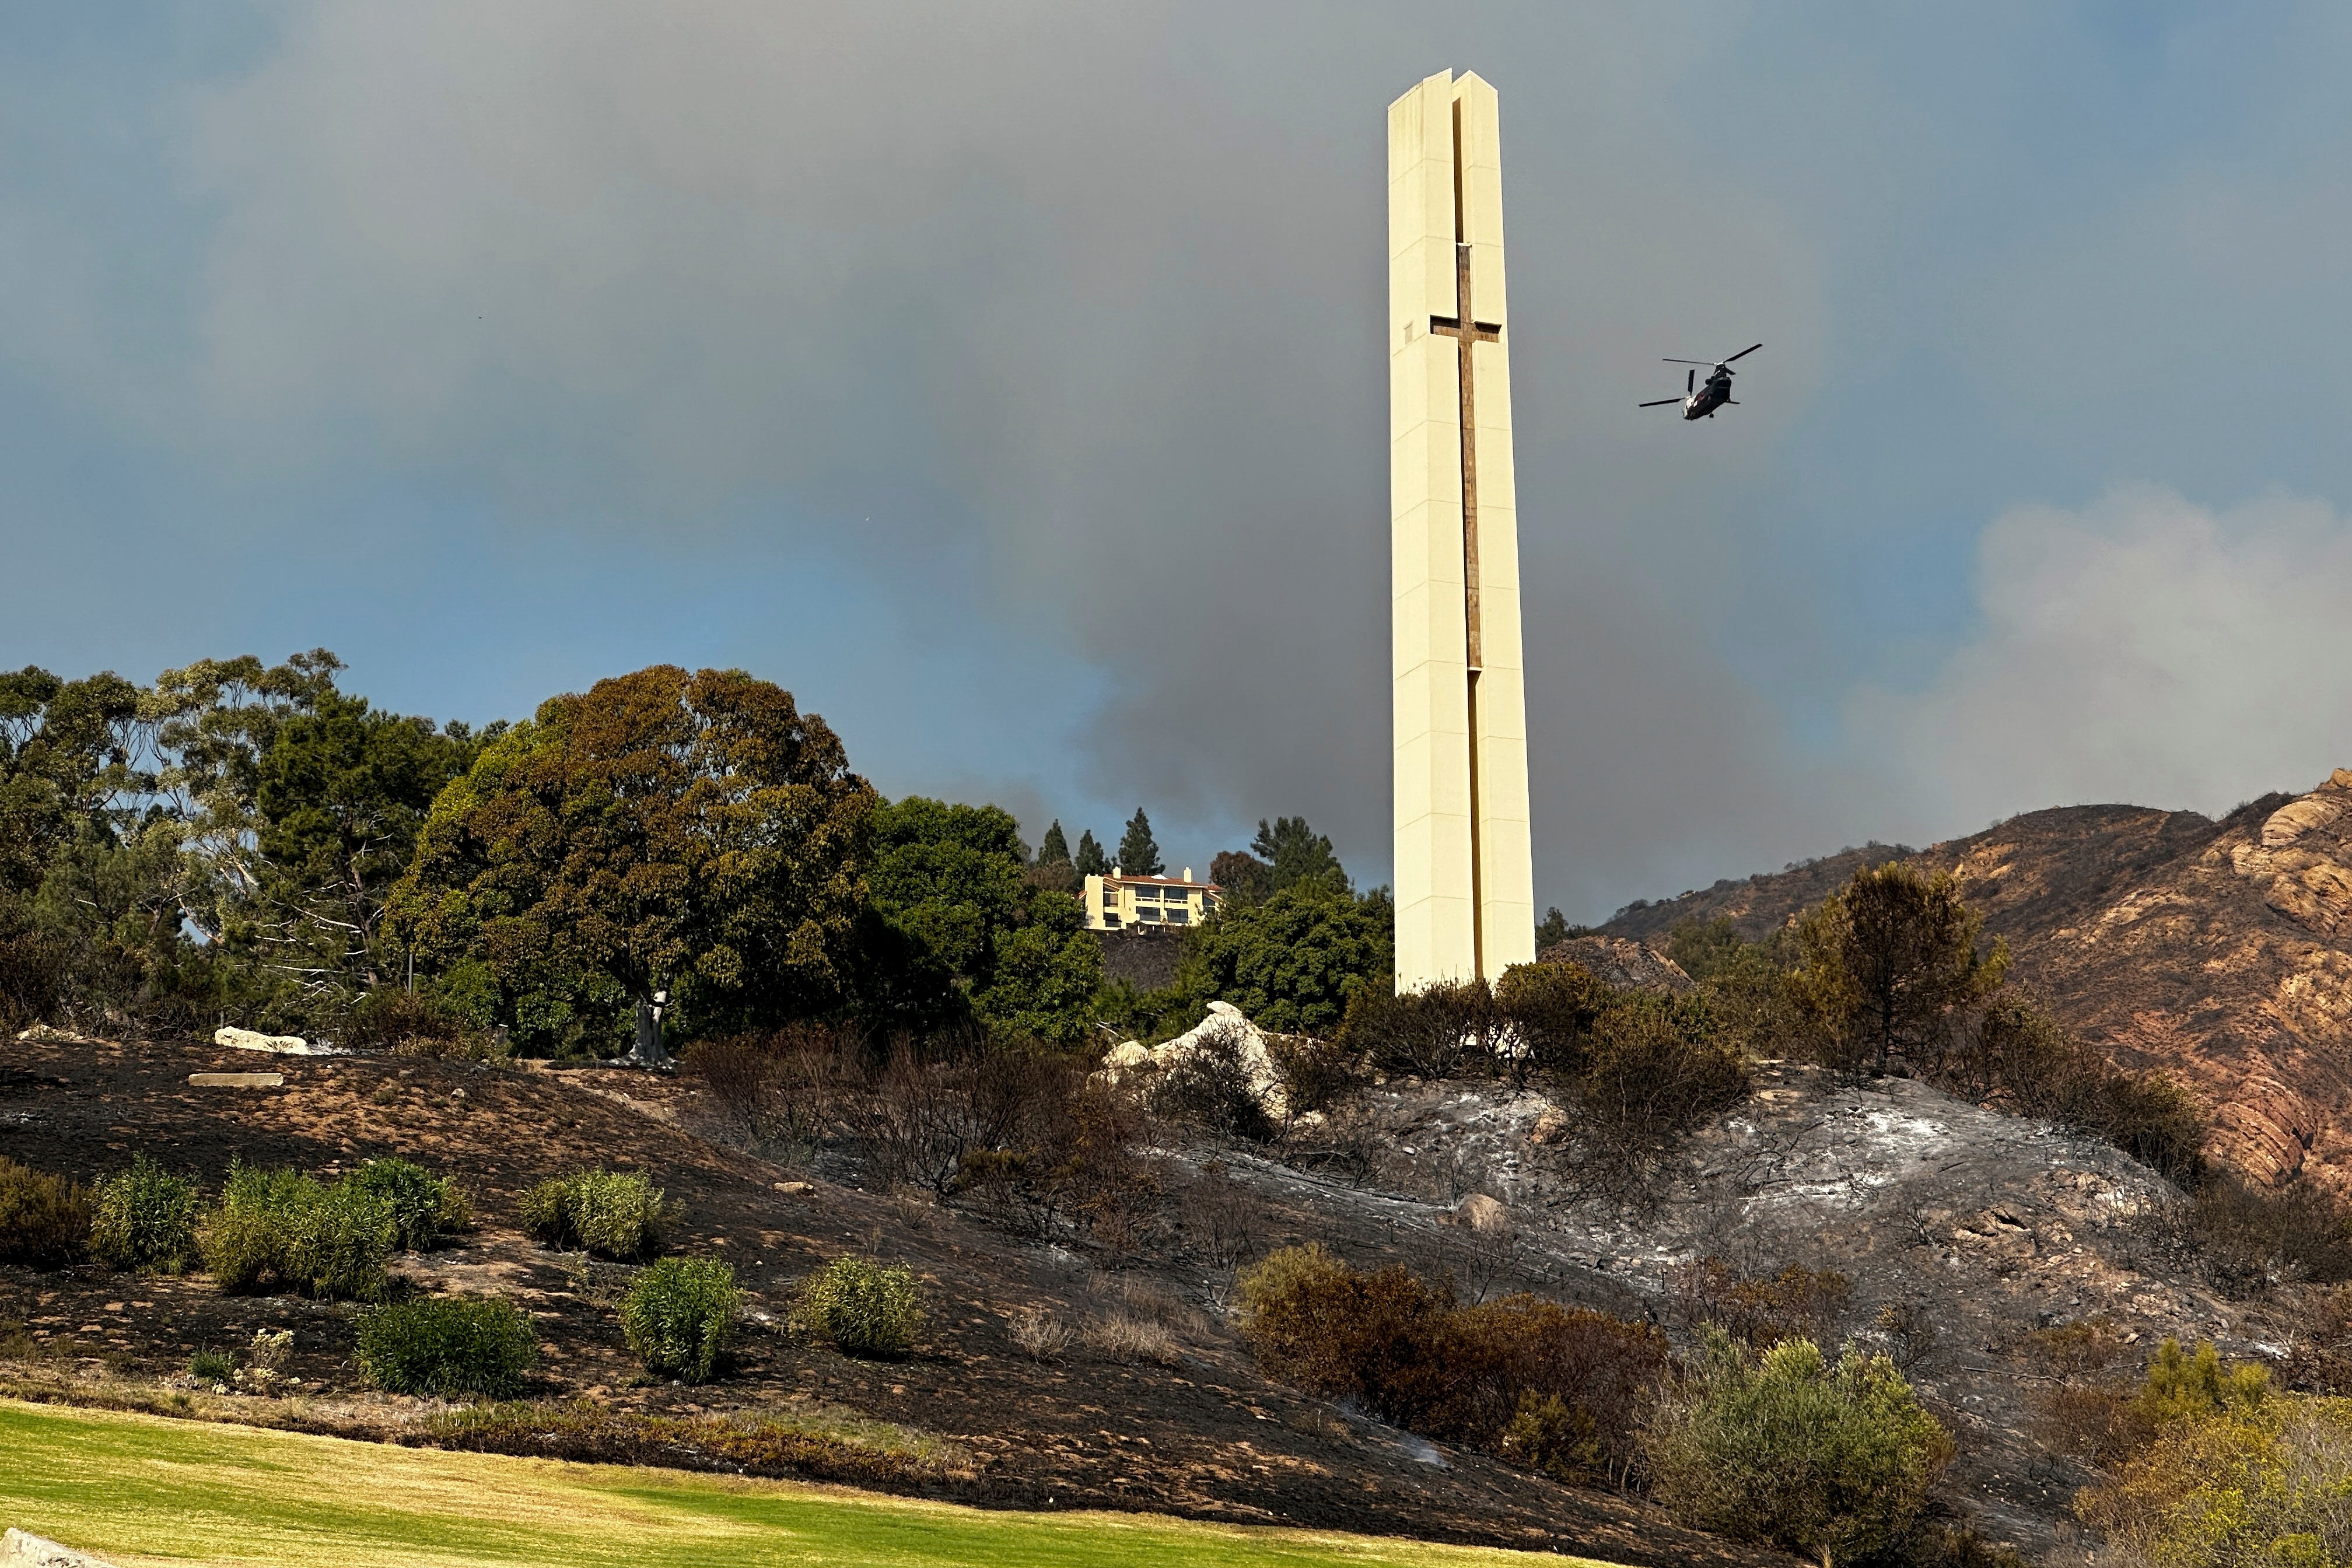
[[1147, 903], [1465, 876]]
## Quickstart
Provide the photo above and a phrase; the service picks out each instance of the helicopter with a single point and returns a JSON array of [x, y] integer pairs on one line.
[[1701, 402]]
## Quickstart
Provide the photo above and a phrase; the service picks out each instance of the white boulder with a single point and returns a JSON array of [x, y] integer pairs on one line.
[[253, 1040], [1131, 1060], [1481, 1213]]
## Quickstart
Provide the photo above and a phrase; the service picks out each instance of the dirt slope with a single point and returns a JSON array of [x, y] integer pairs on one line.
[[2219, 951], [1206, 1437]]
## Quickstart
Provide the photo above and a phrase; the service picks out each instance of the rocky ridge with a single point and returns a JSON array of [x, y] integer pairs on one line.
[[2219, 953]]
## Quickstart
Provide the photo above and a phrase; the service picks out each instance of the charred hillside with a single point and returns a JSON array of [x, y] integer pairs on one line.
[[2219, 953]]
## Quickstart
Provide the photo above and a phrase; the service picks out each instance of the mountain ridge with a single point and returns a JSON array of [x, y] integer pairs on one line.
[[2219, 951]]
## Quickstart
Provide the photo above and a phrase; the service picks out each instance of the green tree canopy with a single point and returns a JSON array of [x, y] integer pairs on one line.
[[1091, 861], [1054, 849], [342, 792], [693, 831], [1047, 974], [948, 874], [1138, 855], [1702, 949], [971, 921], [1244, 878], [69, 751], [1291, 963], [1295, 852], [1834, 1461], [1889, 961]]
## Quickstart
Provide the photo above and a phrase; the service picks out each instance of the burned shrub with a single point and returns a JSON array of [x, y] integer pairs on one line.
[[1445, 1031], [2249, 1238], [2018, 1056], [1315, 1074], [1554, 1388], [1224, 1221], [387, 1018], [921, 1120], [1761, 1309], [776, 1087], [1212, 1086], [1550, 1010]]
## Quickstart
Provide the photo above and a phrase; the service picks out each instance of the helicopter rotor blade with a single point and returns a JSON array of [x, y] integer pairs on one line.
[[1661, 403], [1694, 361], [1743, 353]]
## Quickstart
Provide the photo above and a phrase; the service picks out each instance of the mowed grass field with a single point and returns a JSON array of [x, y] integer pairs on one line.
[[138, 1489]]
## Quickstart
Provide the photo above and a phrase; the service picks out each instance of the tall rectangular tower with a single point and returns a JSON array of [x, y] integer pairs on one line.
[[1464, 877]]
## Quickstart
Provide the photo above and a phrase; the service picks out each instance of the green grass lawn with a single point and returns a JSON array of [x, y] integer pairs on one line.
[[140, 1489]]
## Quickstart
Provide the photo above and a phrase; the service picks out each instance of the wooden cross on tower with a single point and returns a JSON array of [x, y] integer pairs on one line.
[[1465, 330]]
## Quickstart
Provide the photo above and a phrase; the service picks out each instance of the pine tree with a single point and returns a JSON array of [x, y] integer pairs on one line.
[[1092, 861], [1055, 850], [1138, 855], [1297, 853]]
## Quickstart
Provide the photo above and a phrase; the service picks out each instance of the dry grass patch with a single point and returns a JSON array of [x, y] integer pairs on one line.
[[1040, 1335], [1121, 1338]]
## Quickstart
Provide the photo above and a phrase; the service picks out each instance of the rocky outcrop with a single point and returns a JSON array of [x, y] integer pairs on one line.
[[1622, 965], [2303, 859], [2219, 953], [1131, 1061]]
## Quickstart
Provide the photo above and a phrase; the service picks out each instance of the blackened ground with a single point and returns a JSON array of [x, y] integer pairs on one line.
[[1205, 1437]]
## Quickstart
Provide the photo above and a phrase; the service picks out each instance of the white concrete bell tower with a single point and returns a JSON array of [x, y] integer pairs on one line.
[[1464, 874]]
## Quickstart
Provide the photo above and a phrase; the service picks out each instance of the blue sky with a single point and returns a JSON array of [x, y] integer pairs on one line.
[[1006, 381]]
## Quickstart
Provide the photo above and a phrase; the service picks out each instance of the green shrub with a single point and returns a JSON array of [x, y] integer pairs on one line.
[[679, 1315], [448, 1346], [146, 1220], [863, 1308], [44, 1219], [607, 1213], [280, 1228], [212, 1366], [1787, 1448], [2226, 1471], [424, 1207]]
